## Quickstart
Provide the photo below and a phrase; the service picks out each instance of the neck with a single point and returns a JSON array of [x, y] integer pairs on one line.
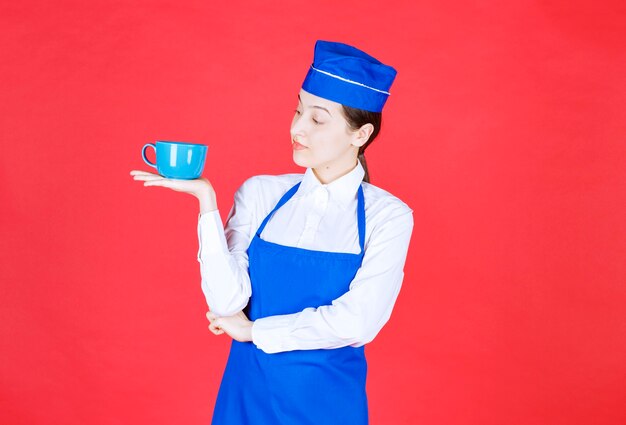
[[328, 173]]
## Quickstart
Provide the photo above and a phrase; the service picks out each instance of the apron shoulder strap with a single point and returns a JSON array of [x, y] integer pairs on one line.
[[360, 213], [287, 196]]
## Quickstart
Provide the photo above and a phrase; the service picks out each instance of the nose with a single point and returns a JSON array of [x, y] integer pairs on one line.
[[297, 129]]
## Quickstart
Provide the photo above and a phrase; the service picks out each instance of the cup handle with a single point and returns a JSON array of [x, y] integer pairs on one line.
[[143, 154]]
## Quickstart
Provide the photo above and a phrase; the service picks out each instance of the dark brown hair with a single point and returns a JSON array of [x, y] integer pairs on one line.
[[357, 118]]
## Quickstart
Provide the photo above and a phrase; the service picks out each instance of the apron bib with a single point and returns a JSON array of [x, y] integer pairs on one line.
[[302, 386]]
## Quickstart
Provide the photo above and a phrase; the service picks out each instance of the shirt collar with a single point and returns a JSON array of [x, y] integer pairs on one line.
[[342, 190]]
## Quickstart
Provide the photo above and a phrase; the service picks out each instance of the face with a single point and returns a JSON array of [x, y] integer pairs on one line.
[[321, 137]]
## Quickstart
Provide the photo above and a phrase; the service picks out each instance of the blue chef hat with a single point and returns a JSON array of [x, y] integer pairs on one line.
[[347, 75]]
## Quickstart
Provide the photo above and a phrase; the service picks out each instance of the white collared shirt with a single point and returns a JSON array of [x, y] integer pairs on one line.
[[319, 217]]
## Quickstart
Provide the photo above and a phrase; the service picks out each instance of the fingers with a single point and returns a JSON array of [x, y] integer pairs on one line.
[[154, 180], [141, 173], [157, 182], [216, 329], [148, 177], [214, 326]]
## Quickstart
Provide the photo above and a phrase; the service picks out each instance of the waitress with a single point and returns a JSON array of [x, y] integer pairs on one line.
[[308, 267]]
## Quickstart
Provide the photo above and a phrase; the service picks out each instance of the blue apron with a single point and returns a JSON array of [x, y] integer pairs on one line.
[[302, 386]]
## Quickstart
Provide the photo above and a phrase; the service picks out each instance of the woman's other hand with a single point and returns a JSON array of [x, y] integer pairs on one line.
[[201, 188], [238, 327]]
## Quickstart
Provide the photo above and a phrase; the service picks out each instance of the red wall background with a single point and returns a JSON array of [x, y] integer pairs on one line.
[[505, 133]]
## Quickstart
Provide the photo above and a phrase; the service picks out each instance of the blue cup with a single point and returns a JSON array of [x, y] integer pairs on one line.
[[177, 160]]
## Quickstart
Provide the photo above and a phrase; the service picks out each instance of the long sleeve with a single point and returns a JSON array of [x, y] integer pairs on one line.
[[356, 317], [223, 258]]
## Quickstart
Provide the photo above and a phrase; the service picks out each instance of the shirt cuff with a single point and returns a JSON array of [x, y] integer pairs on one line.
[[211, 233], [271, 333]]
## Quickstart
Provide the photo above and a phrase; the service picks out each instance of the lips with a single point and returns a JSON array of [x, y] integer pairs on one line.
[[297, 146]]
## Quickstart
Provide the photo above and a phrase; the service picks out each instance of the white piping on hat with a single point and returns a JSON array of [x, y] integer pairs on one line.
[[350, 81]]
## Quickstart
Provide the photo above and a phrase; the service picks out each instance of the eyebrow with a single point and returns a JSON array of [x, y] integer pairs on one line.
[[316, 106]]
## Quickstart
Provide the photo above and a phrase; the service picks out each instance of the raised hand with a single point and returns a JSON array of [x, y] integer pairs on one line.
[[201, 187]]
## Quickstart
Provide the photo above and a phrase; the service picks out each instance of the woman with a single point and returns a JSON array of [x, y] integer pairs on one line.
[[308, 267]]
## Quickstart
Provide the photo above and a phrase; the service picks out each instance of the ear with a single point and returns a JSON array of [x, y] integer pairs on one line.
[[362, 135]]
